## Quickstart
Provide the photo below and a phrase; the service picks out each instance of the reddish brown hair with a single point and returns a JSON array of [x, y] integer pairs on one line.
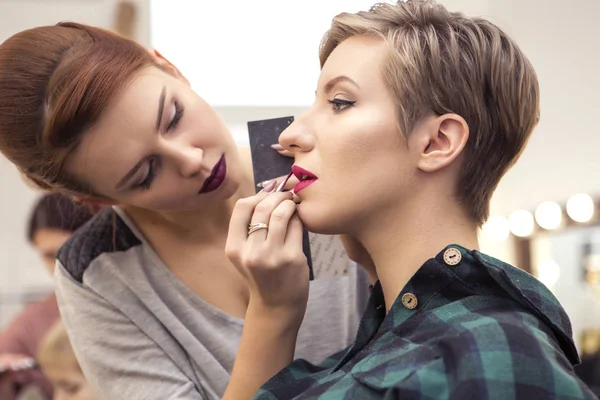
[[55, 82]]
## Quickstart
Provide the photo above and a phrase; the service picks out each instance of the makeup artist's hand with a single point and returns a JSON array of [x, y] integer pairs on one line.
[[271, 260], [274, 266], [279, 148]]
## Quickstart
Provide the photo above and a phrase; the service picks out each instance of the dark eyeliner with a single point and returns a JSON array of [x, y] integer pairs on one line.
[[341, 104]]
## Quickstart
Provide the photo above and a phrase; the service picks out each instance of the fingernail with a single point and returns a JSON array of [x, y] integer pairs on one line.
[[268, 186], [277, 147], [262, 184]]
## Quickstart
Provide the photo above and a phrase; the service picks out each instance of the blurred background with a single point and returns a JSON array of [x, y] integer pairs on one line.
[[259, 59]]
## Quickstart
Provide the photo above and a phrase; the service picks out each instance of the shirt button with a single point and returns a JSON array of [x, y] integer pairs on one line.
[[452, 256], [410, 301]]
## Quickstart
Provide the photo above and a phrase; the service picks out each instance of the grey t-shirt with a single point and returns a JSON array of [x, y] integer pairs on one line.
[[140, 333]]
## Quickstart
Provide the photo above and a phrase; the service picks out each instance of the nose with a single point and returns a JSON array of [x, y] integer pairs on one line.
[[186, 158], [297, 137]]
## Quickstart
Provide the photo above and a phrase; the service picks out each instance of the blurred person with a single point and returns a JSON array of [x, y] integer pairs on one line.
[[53, 220], [59, 364]]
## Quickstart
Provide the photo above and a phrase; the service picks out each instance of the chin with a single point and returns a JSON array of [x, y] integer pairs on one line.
[[318, 220]]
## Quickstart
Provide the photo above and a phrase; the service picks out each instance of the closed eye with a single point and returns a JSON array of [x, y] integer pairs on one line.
[[147, 182], [179, 109]]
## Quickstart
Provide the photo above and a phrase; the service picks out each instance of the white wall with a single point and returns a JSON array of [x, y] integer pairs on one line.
[[561, 40], [20, 268]]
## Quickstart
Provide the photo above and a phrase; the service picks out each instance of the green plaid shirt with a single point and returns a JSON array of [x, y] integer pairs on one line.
[[466, 326]]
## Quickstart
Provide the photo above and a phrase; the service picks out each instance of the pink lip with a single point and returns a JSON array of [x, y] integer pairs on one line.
[[301, 174], [216, 178]]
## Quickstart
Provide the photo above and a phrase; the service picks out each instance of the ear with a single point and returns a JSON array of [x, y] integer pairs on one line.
[[161, 61], [440, 141]]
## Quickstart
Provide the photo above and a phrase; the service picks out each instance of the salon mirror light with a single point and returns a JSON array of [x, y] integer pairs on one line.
[[580, 207]]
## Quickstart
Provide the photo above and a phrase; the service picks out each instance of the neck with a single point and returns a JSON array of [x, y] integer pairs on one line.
[[399, 246], [208, 225]]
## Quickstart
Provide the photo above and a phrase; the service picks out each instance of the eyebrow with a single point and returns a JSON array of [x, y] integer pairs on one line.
[[342, 78], [161, 106]]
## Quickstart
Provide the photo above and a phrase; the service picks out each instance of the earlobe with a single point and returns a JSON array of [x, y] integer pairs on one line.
[[442, 141]]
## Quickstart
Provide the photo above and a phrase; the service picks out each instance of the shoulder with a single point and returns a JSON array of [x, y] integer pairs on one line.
[[105, 233], [511, 351]]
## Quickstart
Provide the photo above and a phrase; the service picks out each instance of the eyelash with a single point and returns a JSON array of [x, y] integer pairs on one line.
[[177, 117], [147, 182], [341, 104]]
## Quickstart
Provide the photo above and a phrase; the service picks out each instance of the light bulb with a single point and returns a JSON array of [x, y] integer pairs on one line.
[[580, 207], [497, 228], [548, 272], [521, 223], [548, 215]]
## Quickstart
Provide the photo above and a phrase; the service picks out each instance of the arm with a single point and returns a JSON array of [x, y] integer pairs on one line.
[[267, 346], [118, 359], [274, 266], [12, 339]]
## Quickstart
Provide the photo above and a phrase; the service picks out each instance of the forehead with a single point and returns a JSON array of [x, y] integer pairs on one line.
[[123, 127], [138, 99], [359, 57]]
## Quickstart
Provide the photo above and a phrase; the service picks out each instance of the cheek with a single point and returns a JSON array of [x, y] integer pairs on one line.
[[362, 152]]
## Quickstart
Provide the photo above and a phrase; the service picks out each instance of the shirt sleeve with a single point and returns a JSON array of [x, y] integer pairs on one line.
[[488, 359], [119, 360]]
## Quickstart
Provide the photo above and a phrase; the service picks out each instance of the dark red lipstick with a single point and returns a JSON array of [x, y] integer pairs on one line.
[[216, 178]]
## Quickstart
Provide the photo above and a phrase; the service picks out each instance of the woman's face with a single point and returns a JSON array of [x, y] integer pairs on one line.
[[350, 141], [69, 384], [48, 241], [159, 146]]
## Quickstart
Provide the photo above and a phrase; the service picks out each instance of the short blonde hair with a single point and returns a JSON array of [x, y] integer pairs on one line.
[[55, 351], [444, 62]]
